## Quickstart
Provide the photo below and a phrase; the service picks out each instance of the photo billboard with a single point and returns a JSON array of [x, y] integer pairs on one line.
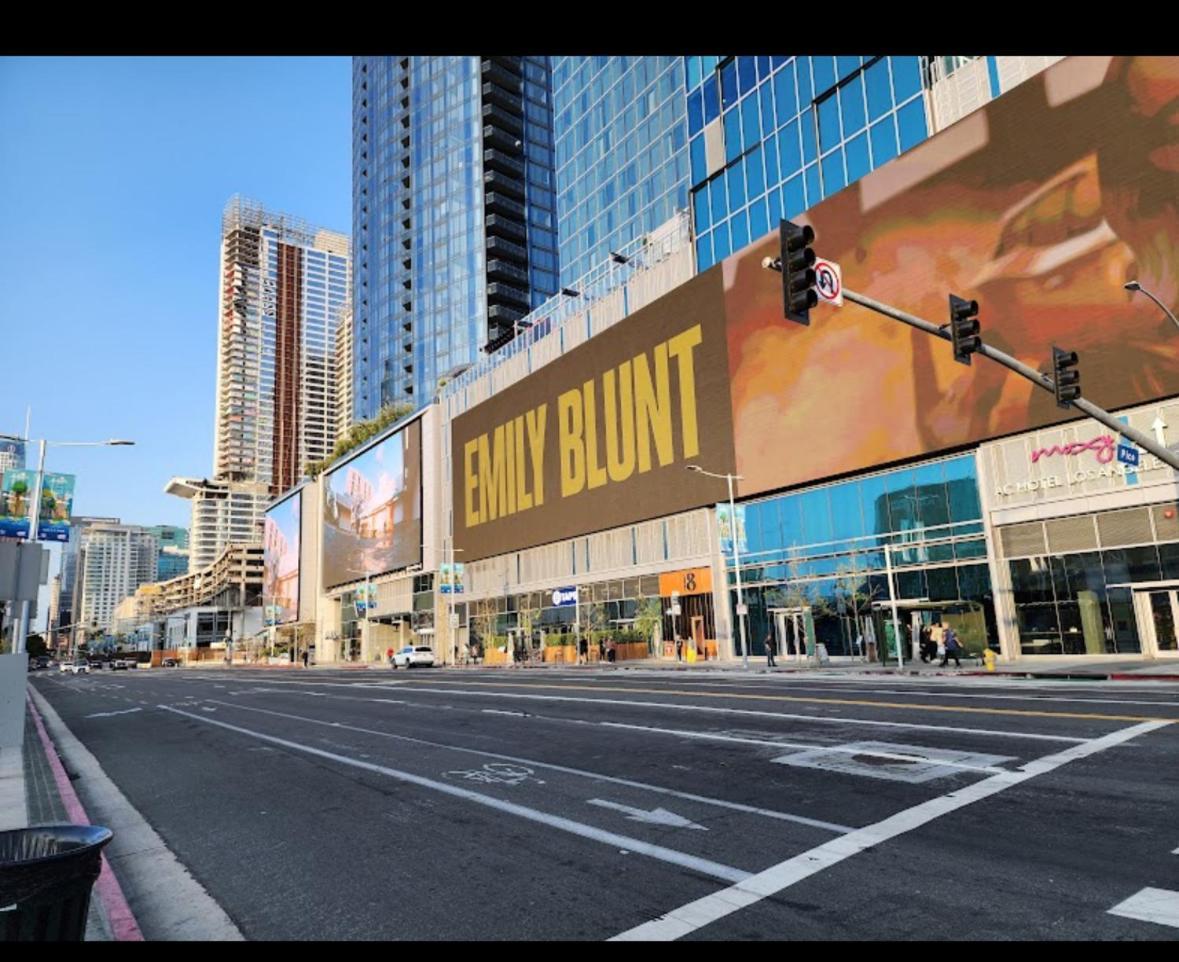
[[16, 492], [282, 543], [57, 503], [1041, 205], [372, 509]]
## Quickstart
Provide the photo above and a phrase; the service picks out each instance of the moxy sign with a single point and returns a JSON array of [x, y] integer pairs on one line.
[[1104, 446]]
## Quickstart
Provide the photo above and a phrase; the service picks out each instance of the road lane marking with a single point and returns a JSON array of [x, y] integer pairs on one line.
[[806, 746], [498, 711], [597, 776], [108, 714], [590, 832], [756, 713], [860, 702], [704, 911], [655, 816], [1160, 906]]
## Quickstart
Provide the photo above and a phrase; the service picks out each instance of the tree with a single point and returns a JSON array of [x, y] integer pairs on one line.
[[36, 645], [857, 591], [360, 432], [648, 616]]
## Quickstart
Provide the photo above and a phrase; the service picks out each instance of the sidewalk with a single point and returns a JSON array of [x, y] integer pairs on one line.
[[29, 795]]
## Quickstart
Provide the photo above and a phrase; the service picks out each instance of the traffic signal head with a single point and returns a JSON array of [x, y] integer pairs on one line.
[[964, 328], [1066, 378], [798, 275]]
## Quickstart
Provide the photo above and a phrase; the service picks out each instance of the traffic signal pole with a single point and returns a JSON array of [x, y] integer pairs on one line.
[[1144, 441]]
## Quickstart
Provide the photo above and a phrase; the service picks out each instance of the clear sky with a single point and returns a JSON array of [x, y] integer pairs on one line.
[[113, 175]]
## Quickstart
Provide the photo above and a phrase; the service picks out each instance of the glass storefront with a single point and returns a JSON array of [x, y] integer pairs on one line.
[[1116, 599], [815, 563]]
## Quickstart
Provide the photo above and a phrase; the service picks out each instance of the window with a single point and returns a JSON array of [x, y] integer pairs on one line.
[[884, 141], [728, 84], [824, 72], [785, 97], [851, 102], [829, 133], [906, 77], [911, 123]]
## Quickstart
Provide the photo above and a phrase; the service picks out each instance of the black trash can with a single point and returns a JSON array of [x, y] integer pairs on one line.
[[46, 874]]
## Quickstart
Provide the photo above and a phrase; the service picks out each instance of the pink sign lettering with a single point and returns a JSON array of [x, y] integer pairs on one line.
[[1103, 446]]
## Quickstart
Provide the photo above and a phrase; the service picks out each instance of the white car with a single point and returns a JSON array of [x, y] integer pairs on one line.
[[409, 656], [76, 667]]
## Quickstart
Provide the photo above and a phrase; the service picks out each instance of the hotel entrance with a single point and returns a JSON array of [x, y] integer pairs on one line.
[[1156, 609]]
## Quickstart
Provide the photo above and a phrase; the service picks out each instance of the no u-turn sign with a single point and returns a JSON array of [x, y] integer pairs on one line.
[[829, 282]]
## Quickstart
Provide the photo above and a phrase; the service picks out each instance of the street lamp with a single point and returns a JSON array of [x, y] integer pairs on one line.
[[453, 618], [741, 611], [1134, 287], [18, 643]]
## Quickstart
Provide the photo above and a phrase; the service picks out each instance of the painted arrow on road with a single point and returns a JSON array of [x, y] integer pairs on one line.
[[657, 816]]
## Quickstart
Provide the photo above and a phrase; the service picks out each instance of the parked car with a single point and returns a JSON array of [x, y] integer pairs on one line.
[[411, 656], [95, 664], [122, 664], [171, 662], [76, 667]]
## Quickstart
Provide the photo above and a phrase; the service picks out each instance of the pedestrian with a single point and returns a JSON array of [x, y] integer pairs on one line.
[[610, 649], [923, 643], [679, 648], [771, 650], [601, 649], [937, 637], [389, 655], [306, 655], [953, 647]]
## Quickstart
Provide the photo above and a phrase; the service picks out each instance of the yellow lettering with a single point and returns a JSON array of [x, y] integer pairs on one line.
[[570, 427], [653, 409], [595, 473], [680, 347], [470, 481], [536, 421], [620, 458], [510, 461], [492, 476], [523, 498]]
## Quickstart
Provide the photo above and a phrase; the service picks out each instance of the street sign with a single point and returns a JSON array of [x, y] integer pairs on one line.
[[829, 282], [1127, 454], [742, 610]]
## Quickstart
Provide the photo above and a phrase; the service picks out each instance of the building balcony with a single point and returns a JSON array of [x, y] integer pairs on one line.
[[501, 161], [503, 184], [496, 72], [497, 137], [510, 64], [498, 292], [505, 271], [511, 100], [504, 248], [497, 203], [506, 227], [503, 315], [504, 119]]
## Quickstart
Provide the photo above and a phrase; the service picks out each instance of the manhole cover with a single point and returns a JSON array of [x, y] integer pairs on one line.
[[901, 763]]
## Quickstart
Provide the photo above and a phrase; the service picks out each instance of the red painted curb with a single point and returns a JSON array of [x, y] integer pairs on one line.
[[118, 912]]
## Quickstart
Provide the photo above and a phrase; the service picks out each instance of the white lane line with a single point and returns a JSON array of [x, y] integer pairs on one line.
[[581, 773], [108, 714], [704, 911], [808, 746], [1175, 852], [682, 859], [713, 709], [1160, 906], [498, 711]]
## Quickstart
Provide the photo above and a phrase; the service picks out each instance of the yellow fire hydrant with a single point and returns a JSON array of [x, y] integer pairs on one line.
[[989, 658]]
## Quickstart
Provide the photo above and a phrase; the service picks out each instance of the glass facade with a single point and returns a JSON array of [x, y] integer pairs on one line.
[[814, 563], [770, 137], [420, 299], [621, 158]]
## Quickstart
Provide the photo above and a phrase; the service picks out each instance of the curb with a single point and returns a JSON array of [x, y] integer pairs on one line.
[[122, 921]]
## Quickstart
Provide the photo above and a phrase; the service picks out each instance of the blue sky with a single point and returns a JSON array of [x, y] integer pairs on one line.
[[113, 175]]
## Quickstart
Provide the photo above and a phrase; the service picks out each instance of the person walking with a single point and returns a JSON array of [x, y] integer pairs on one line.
[[771, 650], [953, 648], [924, 638], [679, 648], [610, 649], [306, 656]]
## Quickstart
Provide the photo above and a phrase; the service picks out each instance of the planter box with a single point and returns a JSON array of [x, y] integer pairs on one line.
[[560, 654]]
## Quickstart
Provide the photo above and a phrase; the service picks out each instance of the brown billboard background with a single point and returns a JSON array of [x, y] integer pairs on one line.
[[664, 489], [1041, 206]]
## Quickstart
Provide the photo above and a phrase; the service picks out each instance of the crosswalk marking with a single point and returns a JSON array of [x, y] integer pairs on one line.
[[1151, 905]]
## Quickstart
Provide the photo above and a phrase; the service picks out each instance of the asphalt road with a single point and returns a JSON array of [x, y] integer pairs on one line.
[[598, 803]]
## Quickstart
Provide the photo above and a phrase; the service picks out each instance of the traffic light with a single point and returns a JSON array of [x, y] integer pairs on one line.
[[964, 328], [1066, 378], [798, 276]]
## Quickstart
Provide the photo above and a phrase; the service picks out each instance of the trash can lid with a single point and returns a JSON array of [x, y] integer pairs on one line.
[[46, 843]]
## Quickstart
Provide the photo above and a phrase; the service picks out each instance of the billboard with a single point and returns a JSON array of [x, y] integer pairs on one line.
[[15, 497], [1041, 206], [602, 435], [57, 503], [372, 509], [282, 543], [450, 578]]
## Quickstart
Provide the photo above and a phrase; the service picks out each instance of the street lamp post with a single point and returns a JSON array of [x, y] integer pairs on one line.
[[18, 643], [1135, 287], [741, 611]]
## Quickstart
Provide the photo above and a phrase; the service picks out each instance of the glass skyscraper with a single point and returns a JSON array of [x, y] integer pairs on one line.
[[453, 215], [622, 164], [772, 136]]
